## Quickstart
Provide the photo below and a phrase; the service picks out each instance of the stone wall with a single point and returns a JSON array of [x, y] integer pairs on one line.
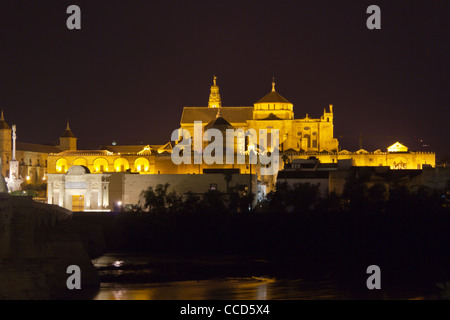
[[128, 187], [36, 249]]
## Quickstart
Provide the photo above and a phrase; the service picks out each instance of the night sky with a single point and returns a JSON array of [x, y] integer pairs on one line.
[[128, 73]]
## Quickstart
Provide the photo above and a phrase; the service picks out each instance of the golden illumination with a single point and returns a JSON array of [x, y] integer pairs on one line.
[[121, 165], [146, 151], [397, 147], [142, 164], [62, 165], [100, 165], [80, 162]]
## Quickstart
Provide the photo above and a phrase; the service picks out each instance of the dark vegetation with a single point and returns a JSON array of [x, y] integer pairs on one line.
[[406, 233]]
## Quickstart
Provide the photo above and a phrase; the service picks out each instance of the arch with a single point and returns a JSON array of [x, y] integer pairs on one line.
[[80, 162], [100, 165], [62, 165], [141, 165], [121, 165]]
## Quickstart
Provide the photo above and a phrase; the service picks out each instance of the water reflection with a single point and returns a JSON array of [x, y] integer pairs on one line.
[[214, 289], [143, 277]]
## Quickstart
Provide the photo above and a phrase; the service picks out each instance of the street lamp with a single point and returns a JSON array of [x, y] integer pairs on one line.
[[251, 151]]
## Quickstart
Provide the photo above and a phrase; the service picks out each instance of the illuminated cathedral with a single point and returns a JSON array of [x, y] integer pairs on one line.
[[299, 138]]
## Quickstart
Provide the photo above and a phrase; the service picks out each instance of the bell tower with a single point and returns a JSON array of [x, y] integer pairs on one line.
[[214, 96], [68, 141]]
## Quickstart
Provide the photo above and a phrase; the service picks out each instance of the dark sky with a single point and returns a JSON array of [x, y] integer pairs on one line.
[[128, 73]]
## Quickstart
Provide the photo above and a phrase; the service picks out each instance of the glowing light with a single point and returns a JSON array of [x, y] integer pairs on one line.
[[397, 147], [28, 178], [119, 203], [117, 263]]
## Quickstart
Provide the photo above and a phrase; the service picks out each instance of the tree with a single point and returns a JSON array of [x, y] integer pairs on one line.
[[355, 190], [281, 199], [305, 196], [212, 199], [191, 202], [174, 201], [228, 178], [377, 195], [155, 200]]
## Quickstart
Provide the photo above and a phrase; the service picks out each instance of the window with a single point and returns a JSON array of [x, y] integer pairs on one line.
[[269, 140], [30, 163]]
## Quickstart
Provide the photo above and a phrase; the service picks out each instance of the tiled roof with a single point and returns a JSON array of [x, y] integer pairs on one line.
[[206, 115], [42, 148], [273, 96]]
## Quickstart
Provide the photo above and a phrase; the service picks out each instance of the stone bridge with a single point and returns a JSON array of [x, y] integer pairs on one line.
[[19, 217], [36, 247]]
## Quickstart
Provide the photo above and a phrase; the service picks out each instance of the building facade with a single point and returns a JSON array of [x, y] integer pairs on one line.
[[299, 138]]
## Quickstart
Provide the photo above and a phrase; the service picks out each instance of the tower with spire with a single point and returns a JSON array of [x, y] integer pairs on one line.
[[214, 96], [68, 141]]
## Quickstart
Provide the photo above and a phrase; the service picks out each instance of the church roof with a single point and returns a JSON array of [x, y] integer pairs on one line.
[[85, 153], [219, 123], [205, 114], [130, 149], [40, 148], [271, 116], [273, 97], [68, 133]]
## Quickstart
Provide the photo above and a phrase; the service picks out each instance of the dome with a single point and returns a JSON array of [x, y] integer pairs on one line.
[[273, 97], [78, 170]]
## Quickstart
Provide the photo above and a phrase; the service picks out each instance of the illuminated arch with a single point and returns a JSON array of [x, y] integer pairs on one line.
[[80, 162], [121, 165], [62, 165], [100, 165], [141, 165]]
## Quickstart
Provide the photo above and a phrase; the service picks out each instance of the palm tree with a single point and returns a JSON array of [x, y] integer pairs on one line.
[[228, 177]]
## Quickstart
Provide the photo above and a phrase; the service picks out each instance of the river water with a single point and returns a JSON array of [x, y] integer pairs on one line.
[[128, 276]]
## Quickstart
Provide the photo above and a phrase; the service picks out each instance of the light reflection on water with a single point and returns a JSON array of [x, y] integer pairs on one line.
[[212, 289], [143, 277], [258, 287]]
